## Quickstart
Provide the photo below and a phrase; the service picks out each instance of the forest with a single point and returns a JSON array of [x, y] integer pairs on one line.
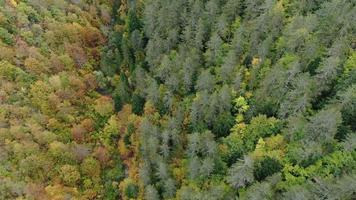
[[177, 99]]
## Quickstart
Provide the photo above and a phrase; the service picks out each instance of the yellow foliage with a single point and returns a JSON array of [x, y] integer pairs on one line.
[[275, 142], [104, 106], [59, 192], [149, 108], [273, 146], [13, 3], [39, 96], [179, 174], [256, 61], [122, 149], [239, 128], [260, 149]]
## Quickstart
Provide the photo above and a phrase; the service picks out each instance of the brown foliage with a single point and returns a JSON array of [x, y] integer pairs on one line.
[[88, 124], [21, 48], [104, 105], [34, 66], [80, 151], [36, 191], [92, 37], [78, 133], [90, 81], [55, 64], [102, 154], [77, 54]]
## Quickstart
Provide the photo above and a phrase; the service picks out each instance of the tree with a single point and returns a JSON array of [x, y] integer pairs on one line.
[[205, 81], [327, 72], [169, 188], [207, 167], [214, 53], [348, 110], [266, 167], [110, 132], [193, 167], [6, 37], [104, 106], [350, 142], [91, 167], [151, 193], [258, 191], [129, 189], [241, 173], [259, 127], [298, 193], [137, 104], [299, 99], [323, 126], [274, 86], [223, 124], [69, 175], [162, 171]]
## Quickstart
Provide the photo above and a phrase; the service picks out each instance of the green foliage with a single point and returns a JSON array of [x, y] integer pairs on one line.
[[69, 175], [230, 99], [131, 191], [91, 167], [259, 127], [133, 22], [13, 73], [223, 124], [6, 37], [137, 104], [234, 148], [266, 167], [241, 173]]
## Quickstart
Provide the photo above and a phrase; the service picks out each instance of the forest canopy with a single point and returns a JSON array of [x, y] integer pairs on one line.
[[178, 100]]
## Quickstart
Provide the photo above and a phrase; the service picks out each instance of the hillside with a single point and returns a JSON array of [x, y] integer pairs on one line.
[[177, 100]]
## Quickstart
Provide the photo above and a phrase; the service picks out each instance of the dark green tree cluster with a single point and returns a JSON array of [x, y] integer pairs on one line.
[[239, 98]]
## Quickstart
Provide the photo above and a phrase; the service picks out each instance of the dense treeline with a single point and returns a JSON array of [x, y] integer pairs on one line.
[[57, 133], [186, 99], [238, 98]]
